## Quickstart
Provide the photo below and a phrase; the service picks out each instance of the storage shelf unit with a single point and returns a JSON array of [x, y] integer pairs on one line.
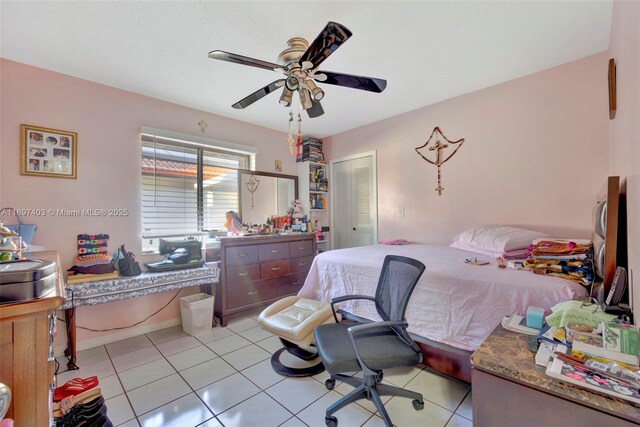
[[313, 184]]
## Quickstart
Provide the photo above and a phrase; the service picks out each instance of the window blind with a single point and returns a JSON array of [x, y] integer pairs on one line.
[[187, 187]]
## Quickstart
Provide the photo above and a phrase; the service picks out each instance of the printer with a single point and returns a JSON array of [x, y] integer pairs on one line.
[[179, 255]]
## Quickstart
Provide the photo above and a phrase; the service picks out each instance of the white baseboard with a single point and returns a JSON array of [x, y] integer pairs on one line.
[[119, 336]]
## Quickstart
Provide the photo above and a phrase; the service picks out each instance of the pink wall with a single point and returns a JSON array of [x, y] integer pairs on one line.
[[535, 155], [624, 130], [108, 123]]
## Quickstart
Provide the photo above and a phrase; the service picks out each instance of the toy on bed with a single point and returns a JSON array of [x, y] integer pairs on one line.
[[233, 224]]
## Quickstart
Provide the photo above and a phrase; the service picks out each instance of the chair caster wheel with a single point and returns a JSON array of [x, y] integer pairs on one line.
[[330, 384], [417, 404], [331, 421]]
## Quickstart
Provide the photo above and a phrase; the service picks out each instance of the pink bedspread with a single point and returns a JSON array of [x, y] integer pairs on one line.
[[454, 303]]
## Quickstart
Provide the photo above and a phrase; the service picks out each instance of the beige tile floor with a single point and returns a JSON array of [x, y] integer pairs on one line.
[[223, 377]]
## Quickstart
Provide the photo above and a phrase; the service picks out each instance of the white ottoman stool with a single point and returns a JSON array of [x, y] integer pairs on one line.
[[293, 320]]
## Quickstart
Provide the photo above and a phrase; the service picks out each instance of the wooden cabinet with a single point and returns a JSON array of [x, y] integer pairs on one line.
[[26, 353], [255, 271], [509, 389]]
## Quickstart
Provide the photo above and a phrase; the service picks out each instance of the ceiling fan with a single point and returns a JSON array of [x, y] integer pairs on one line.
[[299, 63]]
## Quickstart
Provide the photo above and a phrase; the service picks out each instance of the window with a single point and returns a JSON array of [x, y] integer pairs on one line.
[[187, 187]]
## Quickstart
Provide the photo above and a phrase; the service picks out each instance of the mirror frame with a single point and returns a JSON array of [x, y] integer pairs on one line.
[[260, 173]]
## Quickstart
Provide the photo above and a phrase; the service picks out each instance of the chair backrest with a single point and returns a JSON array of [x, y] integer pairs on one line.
[[398, 279]]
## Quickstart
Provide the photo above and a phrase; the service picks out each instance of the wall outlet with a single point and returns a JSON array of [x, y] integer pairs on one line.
[[400, 211]]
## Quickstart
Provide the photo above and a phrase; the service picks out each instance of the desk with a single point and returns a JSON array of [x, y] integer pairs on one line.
[[509, 389], [122, 288]]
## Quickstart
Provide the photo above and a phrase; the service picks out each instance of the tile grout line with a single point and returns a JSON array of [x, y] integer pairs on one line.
[[123, 389]]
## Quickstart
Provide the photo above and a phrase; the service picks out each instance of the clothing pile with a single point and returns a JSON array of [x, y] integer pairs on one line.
[[93, 256], [79, 403], [567, 259]]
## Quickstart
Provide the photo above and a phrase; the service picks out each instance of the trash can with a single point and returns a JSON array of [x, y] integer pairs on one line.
[[196, 312]]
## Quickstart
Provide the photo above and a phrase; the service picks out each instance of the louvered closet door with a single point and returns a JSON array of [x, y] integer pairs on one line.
[[362, 217], [341, 205], [354, 210]]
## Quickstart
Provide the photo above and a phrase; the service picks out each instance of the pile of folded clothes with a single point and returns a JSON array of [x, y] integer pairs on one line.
[[567, 259], [93, 256], [78, 403]]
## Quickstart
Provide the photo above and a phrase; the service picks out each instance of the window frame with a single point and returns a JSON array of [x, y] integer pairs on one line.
[[203, 148]]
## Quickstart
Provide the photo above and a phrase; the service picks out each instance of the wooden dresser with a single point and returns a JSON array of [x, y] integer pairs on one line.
[[255, 271], [509, 389], [26, 345]]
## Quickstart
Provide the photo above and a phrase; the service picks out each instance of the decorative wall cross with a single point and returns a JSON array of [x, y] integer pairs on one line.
[[438, 146], [252, 186]]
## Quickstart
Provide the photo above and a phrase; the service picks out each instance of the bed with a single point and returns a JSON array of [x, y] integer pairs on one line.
[[454, 303]]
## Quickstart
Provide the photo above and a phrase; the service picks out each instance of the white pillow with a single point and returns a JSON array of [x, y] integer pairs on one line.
[[496, 238]]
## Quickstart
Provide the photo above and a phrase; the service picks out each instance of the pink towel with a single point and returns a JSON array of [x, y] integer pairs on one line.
[[394, 242]]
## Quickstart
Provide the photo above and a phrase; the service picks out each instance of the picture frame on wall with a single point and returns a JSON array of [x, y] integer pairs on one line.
[[48, 152]]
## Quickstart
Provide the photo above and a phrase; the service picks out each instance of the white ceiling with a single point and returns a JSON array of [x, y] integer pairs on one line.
[[427, 51]]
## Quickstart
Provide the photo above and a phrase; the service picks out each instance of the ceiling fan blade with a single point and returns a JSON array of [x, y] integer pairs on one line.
[[329, 39], [244, 60], [316, 109], [260, 93], [370, 84]]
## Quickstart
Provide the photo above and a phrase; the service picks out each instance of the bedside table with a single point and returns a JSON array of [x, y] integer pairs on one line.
[[509, 389]]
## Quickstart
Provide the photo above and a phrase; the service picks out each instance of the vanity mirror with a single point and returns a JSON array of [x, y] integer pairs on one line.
[[263, 194]]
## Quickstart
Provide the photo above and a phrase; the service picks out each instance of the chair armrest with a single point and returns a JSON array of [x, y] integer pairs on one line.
[[353, 330], [347, 298]]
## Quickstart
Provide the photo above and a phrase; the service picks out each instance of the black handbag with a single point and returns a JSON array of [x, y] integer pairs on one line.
[[127, 264]]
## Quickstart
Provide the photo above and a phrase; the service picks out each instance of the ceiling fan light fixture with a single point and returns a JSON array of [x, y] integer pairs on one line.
[[316, 92], [285, 98], [292, 83], [305, 99]]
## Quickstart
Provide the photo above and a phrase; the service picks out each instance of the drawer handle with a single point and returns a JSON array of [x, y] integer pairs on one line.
[[297, 282], [275, 268], [243, 253], [243, 274], [302, 263], [252, 293], [301, 247], [274, 251]]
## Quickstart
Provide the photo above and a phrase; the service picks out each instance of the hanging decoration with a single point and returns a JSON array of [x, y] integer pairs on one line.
[[252, 186], [438, 146], [299, 138], [290, 138]]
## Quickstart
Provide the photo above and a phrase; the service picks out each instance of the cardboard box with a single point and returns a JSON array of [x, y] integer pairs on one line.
[[621, 338]]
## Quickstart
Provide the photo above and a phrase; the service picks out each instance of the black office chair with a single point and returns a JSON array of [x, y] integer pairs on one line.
[[374, 346]]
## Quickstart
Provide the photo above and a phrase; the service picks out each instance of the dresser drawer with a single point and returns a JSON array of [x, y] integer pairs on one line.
[[251, 293], [241, 255], [301, 248], [291, 284], [301, 264], [273, 251], [242, 273], [273, 269]]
